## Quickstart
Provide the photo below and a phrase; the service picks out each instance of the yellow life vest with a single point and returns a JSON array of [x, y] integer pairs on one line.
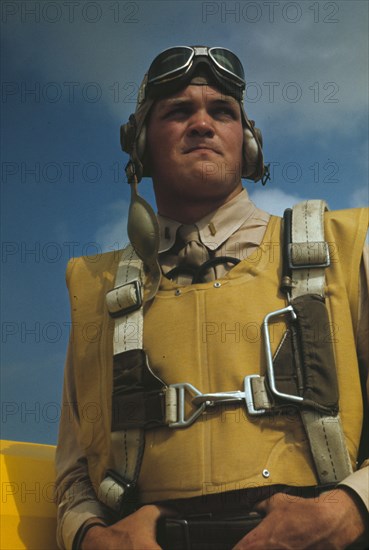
[[209, 335]]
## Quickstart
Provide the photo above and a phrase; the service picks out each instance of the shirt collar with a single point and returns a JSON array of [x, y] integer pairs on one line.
[[214, 228]]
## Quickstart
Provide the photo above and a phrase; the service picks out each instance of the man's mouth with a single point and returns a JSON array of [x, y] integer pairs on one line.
[[201, 147]]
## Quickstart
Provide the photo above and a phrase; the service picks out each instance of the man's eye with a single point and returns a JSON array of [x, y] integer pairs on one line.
[[177, 111], [225, 111]]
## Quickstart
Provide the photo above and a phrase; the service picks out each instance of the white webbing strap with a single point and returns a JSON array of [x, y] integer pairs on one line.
[[309, 254], [124, 303], [328, 446], [309, 249]]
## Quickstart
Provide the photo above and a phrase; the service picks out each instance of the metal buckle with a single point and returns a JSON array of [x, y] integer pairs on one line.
[[312, 265], [125, 310], [269, 358], [183, 422], [249, 396], [212, 399], [201, 400]]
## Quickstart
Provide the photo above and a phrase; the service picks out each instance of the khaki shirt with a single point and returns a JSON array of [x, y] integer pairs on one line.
[[236, 229]]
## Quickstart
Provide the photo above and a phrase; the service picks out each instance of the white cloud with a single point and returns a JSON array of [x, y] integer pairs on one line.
[[274, 201], [325, 53], [112, 234], [321, 63], [360, 197]]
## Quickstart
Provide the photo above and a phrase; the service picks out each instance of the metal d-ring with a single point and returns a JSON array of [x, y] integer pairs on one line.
[[269, 358]]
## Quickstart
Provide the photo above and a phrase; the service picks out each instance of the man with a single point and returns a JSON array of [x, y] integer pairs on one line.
[[219, 277]]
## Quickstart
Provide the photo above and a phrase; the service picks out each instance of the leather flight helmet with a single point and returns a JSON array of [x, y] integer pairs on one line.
[[171, 71]]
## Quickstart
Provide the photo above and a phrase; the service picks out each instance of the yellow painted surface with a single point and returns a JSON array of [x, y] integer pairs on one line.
[[28, 513]]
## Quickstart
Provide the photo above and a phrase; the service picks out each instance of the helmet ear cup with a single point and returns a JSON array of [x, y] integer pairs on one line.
[[129, 144], [259, 136], [252, 155], [128, 134], [134, 144], [141, 142], [253, 162], [133, 138]]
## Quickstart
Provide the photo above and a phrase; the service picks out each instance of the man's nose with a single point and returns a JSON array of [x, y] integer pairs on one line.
[[201, 124]]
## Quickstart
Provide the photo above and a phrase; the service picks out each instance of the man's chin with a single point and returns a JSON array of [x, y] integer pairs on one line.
[[205, 170], [215, 173], [209, 188]]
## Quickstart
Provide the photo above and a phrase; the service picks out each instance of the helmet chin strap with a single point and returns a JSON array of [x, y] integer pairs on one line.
[[144, 234]]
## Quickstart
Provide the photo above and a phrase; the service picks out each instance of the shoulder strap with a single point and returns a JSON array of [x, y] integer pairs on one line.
[[308, 259], [306, 255], [125, 305], [308, 252]]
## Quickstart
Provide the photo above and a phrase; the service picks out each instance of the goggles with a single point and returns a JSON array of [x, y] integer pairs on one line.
[[175, 66]]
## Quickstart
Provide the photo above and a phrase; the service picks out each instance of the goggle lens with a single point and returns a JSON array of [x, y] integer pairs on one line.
[[170, 62], [229, 62]]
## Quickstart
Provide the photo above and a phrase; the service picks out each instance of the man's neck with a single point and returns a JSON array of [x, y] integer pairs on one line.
[[187, 212]]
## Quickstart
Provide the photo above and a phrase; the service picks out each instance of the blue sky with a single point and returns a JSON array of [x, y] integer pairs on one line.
[[70, 73]]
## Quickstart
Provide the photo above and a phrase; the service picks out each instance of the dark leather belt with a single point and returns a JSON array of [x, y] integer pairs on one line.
[[204, 533]]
